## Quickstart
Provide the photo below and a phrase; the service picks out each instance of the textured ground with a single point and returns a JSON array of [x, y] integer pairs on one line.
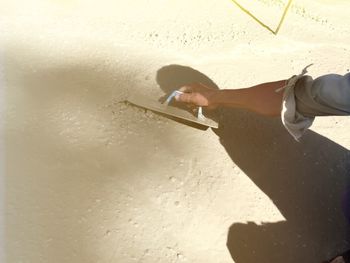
[[88, 178]]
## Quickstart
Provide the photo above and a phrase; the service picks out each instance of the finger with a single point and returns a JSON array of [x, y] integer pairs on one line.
[[185, 97], [186, 89]]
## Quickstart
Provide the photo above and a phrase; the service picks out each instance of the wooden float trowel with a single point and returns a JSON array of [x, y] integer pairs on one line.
[[170, 110]]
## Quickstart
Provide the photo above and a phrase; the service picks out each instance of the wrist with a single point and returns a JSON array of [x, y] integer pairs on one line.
[[215, 98]]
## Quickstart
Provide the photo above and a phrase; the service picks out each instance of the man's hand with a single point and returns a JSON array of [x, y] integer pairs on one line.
[[197, 94]]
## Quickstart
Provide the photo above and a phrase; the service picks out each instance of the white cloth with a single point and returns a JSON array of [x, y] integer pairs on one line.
[[295, 123], [305, 98]]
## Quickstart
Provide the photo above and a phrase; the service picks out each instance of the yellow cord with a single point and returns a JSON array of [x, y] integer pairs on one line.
[[261, 23]]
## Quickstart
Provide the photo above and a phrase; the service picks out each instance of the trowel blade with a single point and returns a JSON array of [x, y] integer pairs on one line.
[[156, 106]]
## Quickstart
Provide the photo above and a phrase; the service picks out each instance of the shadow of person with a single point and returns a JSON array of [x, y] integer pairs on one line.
[[304, 180]]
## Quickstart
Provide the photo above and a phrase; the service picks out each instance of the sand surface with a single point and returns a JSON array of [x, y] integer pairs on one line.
[[88, 178]]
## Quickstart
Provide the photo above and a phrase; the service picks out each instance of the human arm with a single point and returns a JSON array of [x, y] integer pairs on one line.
[[262, 98]]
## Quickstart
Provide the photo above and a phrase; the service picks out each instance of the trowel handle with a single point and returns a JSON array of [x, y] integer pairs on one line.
[[172, 95], [200, 115]]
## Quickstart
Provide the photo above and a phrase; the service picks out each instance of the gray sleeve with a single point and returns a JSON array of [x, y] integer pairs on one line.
[[326, 95], [305, 98]]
